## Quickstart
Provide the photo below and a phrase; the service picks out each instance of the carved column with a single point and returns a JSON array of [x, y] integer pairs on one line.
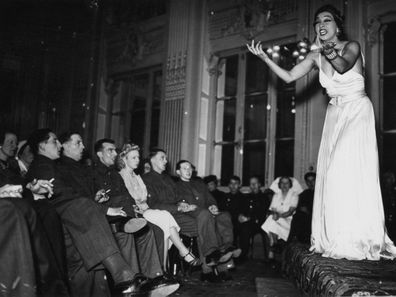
[[178, 129]]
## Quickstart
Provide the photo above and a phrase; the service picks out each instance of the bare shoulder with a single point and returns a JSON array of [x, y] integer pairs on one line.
[[352, 46]]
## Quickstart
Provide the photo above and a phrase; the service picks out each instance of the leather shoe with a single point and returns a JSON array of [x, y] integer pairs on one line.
[[225, 257], [161, 286], [119, 271], [137, 285], [236, 252], [213, 258]]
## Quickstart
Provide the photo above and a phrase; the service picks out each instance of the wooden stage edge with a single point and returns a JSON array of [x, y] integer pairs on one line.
[[315, 275]]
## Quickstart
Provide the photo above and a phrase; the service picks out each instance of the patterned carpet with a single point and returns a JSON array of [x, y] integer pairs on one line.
[[319, 276]]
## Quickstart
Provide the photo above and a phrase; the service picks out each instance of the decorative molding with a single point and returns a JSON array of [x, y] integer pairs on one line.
[[250, 17], [213, 68], [176, 68], [373, 28]]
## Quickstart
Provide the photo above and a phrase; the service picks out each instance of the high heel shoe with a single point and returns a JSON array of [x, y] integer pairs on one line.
[[194, 262]]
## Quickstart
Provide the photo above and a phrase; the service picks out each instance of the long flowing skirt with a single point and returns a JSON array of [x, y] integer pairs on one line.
[[348, 216]]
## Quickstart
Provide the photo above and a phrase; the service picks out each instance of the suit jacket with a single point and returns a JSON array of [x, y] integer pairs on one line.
[[10, 173], [195, 192], [108, 178], [255, 206], [44, 168], [161, 191], [81, 216], [231, 202], [79, 177]]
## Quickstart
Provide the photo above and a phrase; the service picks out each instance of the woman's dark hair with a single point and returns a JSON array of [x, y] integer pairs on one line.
[[285, 177], [338, 18], [309, 174], [38, 137]]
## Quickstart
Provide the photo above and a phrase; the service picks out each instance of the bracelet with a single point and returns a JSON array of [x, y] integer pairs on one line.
[[331, 56]]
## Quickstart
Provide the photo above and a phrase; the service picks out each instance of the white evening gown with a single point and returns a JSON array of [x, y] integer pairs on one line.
[[348, 216]]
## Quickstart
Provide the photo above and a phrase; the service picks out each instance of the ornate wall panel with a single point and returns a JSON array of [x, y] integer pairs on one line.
[[171, 129]]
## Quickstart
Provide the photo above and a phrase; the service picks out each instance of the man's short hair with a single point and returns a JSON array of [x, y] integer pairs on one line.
[[236, 178], [37, 137], [154, 151], [210, 178], [178, 164], [256, 177], [66, 136], [99, 144], [309, 174]]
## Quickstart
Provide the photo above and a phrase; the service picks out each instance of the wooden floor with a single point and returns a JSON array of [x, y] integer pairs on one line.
[[250, 279]]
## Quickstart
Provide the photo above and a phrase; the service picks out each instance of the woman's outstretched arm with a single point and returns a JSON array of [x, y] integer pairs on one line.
[[288, 76]]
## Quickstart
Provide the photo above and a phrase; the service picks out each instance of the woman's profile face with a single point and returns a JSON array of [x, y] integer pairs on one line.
[[132, 159], [325, 26]]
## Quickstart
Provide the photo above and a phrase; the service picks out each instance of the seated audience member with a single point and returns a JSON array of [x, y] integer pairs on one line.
[[388, 189], [212, 182], [149, 240], [10, 174], [9, 168], [127, 162], [300, 229], [28, 266], [162, 194], [87, 233], [283, 205], [231, 203], [252, 214], [24, 157], [146, 166], [200, 204]]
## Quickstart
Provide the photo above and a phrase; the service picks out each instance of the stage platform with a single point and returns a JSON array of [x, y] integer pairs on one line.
[[318, 276]]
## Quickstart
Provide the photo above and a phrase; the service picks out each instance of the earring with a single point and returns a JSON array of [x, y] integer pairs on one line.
[[338, 31]]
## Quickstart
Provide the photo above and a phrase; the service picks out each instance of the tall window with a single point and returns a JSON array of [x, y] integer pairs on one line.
[[254, 132], [144, 108], [388, 113]]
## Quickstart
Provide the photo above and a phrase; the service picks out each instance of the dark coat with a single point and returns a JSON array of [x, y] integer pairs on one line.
[[108, 178], [255, 206], [161, 191], [195, 192]]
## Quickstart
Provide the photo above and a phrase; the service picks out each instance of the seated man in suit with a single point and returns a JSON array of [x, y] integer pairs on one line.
[[252, 214], [88, 235], [28, 266], [49, 259], [163, 194]]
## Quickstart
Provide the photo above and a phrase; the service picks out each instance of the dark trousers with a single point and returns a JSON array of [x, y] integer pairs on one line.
[[88, 238], [84, 283], [214, 232], [246, 232], [300, 228], [141, 252], [17, 265], [25, 253], [89, 230]]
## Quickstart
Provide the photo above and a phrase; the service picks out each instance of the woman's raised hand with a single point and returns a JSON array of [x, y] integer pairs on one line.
[[257, 50]]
